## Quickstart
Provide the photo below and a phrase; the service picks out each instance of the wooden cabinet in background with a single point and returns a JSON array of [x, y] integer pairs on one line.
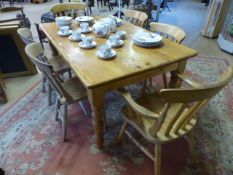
[[13, 59]]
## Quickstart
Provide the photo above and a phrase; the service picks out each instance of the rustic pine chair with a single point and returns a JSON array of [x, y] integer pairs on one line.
[[171, 32], [22, 19], [42, 37], [167, 115], [136, 17], [68, 92], [68, 9], [58, 63]]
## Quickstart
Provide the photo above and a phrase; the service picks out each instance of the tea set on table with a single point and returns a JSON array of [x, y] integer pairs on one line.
[[102, 28]]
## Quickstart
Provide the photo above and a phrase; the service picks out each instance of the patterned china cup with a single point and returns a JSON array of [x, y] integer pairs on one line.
[[76, 34], [84, 27], [105, 50], [122, 34], [114, 39], [64, 29], [87, 41]]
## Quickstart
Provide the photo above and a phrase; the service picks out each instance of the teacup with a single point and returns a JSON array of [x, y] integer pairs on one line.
[[114, 39], [64, 29], [87, 41], [105, 50], [122, 34], [84, 27], [76, 34]]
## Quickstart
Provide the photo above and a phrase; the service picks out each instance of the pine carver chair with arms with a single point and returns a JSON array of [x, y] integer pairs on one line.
[[169, 114]]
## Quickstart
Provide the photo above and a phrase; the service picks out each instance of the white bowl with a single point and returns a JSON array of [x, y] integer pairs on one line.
[[86, 19], [63, 21]]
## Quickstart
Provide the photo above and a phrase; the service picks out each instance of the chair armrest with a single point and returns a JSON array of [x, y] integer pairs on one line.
[[10, 20], [188, 80], [136, 107]]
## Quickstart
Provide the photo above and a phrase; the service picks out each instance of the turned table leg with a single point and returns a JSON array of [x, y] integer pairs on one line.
[[96, 99], [175, 80]]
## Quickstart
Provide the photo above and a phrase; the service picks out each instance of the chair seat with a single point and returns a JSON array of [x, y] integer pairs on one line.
[[155, 104], [59, 64], [75, 89]]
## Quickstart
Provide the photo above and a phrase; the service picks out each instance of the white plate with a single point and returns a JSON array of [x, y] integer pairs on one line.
[[147, 38], [114, 45], [84, 18], [64, 34], [88, 47], [113, 54], [145, 45], [73, 39], [88, 31]]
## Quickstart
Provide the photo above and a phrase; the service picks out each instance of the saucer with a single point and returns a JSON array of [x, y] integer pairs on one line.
[[88, 31], [114, 45], [75, 39], [113, 54], [64, 34], [87, 47]]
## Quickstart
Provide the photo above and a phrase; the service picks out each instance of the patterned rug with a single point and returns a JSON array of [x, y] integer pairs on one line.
[[30, 138]]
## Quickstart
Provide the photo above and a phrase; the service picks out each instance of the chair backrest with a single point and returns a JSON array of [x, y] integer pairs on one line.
[[135, 17], [68, 9], [25, 35], [12, 9], [169, 31], [34, 51], [187, 103]]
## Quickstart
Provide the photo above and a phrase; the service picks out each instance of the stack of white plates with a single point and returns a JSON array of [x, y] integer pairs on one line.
[[87, 19], [63, 21], [147, 39]]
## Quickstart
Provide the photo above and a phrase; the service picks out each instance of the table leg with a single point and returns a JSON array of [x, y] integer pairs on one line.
[[175, 80], [96, 99]]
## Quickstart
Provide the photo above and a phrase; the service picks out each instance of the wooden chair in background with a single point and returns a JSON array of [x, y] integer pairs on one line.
[[22, 19], [68, 92], [58, 63], [167, 115], [72, 9], [171, 32], [41, 35], [136, 17]]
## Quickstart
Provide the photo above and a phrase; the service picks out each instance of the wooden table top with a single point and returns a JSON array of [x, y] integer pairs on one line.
[[131, 59]]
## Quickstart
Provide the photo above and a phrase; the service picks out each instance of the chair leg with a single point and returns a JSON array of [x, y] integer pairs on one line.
[[43, 83], [84, 109], [70, 74], [64, 123], [165, 80], [191, 143], [58, 104], [124, 126], [49, 95], [143, 90], [157, 161]]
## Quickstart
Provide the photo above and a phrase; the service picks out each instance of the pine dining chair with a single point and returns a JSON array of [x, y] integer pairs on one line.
[[135, 17], [72, 9], [68, 92], [58, 63], [171, 32], [169, 114]]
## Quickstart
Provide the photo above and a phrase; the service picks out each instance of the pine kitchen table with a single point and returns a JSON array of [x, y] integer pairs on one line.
[[132, 64]]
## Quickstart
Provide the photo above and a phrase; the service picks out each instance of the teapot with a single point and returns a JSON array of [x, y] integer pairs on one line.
[[101, 29], [112, 22]]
